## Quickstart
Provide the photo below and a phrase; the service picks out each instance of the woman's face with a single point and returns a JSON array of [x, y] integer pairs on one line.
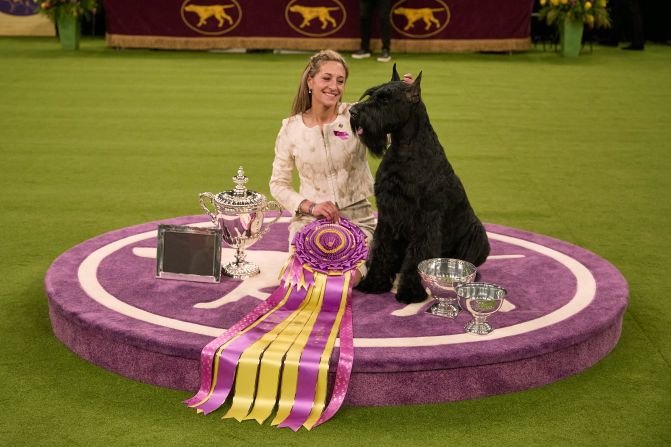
[[328, 84]]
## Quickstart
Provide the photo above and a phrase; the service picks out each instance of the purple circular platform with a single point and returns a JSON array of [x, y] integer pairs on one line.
[[564, 313]]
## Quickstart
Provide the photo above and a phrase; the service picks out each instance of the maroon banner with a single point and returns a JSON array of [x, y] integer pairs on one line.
[[417, 25]]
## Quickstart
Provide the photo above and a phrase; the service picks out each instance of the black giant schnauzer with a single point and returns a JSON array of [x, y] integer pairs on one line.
[[423, 209]]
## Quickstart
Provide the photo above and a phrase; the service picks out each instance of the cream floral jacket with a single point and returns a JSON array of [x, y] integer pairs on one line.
[[330, 160]]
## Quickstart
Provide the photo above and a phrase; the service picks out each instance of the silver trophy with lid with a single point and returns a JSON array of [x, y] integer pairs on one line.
[[241, 215]]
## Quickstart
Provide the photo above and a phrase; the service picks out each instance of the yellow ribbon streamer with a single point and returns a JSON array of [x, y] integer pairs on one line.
[[269, 375], [248, 365], [215, 368], [320, 394], [291, 363]]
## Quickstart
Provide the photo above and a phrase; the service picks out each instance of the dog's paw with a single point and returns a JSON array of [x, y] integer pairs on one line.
[[410, 293], [373, 285]]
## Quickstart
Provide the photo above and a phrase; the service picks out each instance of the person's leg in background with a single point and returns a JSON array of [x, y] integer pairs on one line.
[[384, 10], [634, 14], [365, 23], [612, 36]]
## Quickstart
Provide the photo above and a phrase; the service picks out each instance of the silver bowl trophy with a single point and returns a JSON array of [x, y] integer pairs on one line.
[[240, 214], [439, 277], [481, 300]]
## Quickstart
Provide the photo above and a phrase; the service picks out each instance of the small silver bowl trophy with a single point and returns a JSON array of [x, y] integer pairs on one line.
[[439, 277], [450, 283], [240, 214], [481, 300]]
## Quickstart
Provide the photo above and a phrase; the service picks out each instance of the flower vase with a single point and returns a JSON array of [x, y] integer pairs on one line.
[[570, 34], [69, 31]]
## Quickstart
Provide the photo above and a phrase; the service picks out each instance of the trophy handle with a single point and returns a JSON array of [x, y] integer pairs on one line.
[[271, 204], [211, 197]]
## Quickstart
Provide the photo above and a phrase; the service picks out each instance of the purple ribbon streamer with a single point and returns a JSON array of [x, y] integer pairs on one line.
[[207, 354], [228, 358], [308, 367]]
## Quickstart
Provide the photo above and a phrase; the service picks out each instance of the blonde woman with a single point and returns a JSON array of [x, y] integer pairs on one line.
[[318, 142]]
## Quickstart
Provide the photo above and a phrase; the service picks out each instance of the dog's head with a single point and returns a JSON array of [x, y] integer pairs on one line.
[[386, 110]]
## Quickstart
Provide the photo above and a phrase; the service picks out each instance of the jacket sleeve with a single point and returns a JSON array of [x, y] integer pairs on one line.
[[281, 185]]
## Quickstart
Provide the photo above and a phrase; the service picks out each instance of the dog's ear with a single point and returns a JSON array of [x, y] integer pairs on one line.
[[415, 93], [394, 74], [369, 92]]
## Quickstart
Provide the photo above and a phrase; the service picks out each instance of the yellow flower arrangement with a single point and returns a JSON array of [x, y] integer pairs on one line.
[[56, 9], [592, 13]]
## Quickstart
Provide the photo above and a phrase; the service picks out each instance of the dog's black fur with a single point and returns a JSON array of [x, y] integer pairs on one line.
[[423, 209]]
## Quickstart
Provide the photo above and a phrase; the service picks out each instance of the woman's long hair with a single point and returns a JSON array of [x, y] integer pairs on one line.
[[302, 100]]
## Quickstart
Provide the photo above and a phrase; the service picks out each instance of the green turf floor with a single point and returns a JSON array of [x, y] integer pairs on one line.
[[100, 139]]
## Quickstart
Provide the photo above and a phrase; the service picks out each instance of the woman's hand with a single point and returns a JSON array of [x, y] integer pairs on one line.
[[356, 277], [327, 210], [408, 79]]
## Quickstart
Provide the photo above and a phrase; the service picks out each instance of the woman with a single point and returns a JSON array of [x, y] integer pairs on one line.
[[317, 140]]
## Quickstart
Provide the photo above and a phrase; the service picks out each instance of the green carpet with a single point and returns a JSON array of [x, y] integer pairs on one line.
[[100, 139]]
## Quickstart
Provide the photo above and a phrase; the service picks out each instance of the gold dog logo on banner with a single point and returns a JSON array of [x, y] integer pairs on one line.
[[211, 17], [315, 18], [420, 18]]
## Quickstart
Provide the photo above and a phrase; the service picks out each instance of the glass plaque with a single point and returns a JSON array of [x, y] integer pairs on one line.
[[188, 253]]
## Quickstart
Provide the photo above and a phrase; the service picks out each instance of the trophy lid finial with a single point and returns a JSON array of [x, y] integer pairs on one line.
[[240, 180], [239, 199]]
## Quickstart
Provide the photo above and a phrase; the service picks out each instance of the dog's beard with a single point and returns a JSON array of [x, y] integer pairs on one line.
[[375, 144], [370, 134]]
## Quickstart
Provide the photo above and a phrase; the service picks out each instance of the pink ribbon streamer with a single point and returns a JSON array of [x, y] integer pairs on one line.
[[346, 358], [294, 273]]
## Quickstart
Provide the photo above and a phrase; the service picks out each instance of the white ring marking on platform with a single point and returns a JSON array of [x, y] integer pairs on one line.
[[585, 292]]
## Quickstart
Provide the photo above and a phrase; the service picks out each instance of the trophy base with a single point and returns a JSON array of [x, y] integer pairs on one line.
[[242, 270], [478, 328], [444, 310]]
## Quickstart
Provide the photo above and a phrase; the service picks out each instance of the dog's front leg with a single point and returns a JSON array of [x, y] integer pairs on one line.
[[424, 245], [410, 288], [384, 261]]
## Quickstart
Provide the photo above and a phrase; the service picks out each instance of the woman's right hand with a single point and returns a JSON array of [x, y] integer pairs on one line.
[[327, 210]]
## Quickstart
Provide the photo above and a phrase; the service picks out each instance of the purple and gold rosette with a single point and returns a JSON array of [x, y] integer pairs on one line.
[[331, 248], [277, 356]]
